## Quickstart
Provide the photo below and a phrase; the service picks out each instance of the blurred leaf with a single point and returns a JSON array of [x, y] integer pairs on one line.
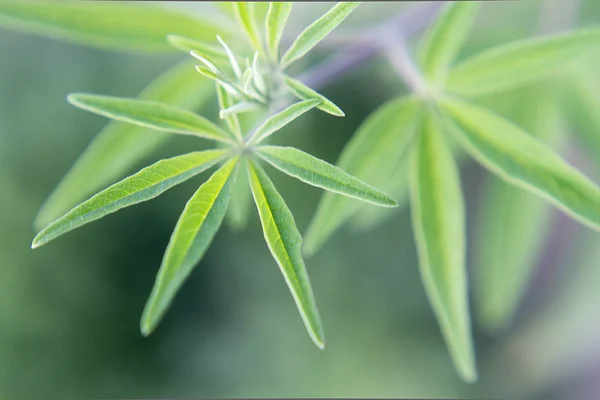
[[231, 57], [516, 64], [396, 184], [110, 25], [149, 114], [193, 234], [376, 147], [186, 44], [238, 108], [317, 31], [284, 242], [145, 185], [445, 38], [244, 13], [304, 92], [119, 146], [275, 23], [281, 119], [439, 226], [232, 120], [319, 173], [525, 162], [512, 224], [238, 212]]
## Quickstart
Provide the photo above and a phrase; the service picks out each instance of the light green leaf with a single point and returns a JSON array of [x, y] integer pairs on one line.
[[144, 185], [319, 173], [446, 37], [120, 145], [195, 230], [317, 31], [232, 60], [110, 25], [512, 225], [238, 108], [523, 161], [238, 212], [284, 242], [282, 118], [232, 120], [304, 92], [516, 64], [374, 150], [244, 13], [277, 17], [188, 45], [439, 225], [150, 114]]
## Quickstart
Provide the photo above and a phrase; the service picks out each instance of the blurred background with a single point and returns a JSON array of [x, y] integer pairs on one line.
[[69, 311]]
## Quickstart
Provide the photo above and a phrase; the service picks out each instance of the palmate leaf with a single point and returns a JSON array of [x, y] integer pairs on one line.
[[516, 64], [512, 224], [523, 161], [284, 242], [446, 37], [281, 119], [244, 13], [195, 230], [277, 17], [115, 25], [120, 145], [317, 31], [304, 92], [439, 225], [145, 185], [373, 151], [319, 173], [150, 114]]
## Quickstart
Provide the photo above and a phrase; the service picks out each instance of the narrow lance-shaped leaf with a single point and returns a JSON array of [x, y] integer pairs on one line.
[[277, 17], [115, 25], [512, 224], [188, 45], [282, 118], [522, 160], [195, 230], [446, 37], [238, 212], [319, 173], [284, 242], [317, 31], [231, 120], [150, 114], [516, 64], [439, 225], [304, 92], [244, 13], [374, 150], [145, 185], [120, 145]]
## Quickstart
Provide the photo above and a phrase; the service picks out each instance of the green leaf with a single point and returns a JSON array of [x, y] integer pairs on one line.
[[284, 242], [244, 13], [188, 45], [111, 25], [231, 120], [145, 185], [516, 64], [319, 173], [446, 37], [238, 212], [281, 119], [120, 146], [439, 225], [150, 114], [277, 17], [317, 31], [525, 162], [193, 234], [374, 150], [304, 92]]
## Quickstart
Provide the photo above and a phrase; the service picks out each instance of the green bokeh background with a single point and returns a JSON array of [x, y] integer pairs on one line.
[[69, 312]]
